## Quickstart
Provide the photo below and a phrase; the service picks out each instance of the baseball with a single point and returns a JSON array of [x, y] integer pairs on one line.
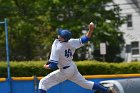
[[91, 23]]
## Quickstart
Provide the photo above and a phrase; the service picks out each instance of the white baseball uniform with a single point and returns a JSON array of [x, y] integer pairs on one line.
[[62, 53]]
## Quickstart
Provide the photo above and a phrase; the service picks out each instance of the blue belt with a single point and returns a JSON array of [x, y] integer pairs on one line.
[[66, 67]]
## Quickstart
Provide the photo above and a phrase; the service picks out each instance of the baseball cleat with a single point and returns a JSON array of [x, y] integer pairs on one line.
[[97, 91], [111, 90]]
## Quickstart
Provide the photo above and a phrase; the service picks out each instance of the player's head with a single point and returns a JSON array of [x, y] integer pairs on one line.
[[65, 34]]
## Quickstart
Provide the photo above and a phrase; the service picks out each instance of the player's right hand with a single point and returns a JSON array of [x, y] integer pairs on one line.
[[46, 66]]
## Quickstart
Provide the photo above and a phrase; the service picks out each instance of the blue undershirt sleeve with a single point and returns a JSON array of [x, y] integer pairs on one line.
[[53, 65], [84, 39]]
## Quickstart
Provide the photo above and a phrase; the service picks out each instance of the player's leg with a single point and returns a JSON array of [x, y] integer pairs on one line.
[[80, 80], [50, 80], [41, 91]]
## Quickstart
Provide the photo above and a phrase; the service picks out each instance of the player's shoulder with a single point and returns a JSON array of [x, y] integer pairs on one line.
[[74, 40], [56, 41]]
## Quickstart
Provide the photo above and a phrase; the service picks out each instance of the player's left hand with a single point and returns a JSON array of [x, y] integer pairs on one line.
[[46, 66]]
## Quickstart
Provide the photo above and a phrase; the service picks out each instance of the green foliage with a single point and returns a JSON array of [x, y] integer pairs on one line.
[[94, 68], [33, 24], [24, 69], [31, 68]]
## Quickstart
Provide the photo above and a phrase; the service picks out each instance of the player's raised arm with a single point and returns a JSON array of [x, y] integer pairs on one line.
[[91, 29], [88, 35]]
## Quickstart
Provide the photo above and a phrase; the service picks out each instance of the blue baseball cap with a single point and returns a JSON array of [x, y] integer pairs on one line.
[[64, 33]]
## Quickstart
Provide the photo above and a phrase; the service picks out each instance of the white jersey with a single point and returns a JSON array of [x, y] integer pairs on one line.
[[62, 52]]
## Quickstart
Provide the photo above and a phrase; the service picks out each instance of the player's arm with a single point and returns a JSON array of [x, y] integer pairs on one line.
[[54, 57], [88, 35]]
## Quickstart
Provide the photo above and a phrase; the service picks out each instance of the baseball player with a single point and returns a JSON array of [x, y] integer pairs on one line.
[[61, 57]]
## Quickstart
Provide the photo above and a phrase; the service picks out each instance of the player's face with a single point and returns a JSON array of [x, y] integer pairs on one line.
[[60, 38]]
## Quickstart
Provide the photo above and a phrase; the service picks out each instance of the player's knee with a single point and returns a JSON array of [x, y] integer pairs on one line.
[[45, 84], [41, 81], [42, 84]]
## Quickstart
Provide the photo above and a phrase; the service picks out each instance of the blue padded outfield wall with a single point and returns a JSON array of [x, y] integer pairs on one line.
[[30, 84]]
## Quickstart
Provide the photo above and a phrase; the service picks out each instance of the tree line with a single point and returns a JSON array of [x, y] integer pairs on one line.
[[33, 25]]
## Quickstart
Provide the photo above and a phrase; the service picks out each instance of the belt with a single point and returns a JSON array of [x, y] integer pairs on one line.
[[66, 67]]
